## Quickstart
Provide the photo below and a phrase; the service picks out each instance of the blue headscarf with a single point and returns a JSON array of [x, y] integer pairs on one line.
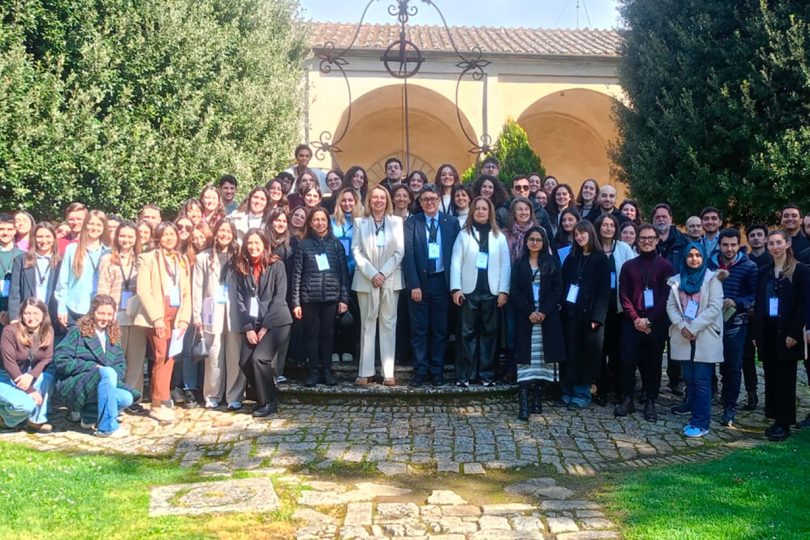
[[692, 278]]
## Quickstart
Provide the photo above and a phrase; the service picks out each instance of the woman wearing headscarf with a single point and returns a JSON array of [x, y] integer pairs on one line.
[[695, 307]]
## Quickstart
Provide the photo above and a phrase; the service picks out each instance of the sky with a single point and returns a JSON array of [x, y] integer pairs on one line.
[[507, 13]]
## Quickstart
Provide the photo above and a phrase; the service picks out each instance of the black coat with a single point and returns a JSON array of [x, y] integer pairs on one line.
[[271, 294], [794, 313], [521, 297], [312, 286], [583, 344]]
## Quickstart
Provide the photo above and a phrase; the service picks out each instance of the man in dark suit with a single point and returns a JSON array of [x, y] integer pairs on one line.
[[429, 239]]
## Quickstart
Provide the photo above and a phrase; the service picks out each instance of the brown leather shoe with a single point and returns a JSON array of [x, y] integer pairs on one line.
[[389, 381], [39, 428], [362, 381]]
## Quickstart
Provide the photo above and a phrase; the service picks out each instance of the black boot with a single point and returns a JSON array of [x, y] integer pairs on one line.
[[312, 379], [537, 399], [625, 407], [329, 378], [650, 413], [751, 404], [523, 401]]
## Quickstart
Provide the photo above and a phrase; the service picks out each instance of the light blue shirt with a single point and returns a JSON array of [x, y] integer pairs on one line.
[[42, 275], [439, 261], [74, 292]]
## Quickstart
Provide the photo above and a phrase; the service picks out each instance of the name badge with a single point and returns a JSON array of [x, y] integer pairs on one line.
[[174, 296], [222, 294], [536, 292], [649, 299], [481, 260], [573, 293], [253, 311], [773, 306], [6, 287], [322, 261], [613, 280], [125, 297], [433, 252], [691, 310], [380, 239]]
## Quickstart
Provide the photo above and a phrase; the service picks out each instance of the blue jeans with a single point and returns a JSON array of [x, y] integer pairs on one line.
[[578, 394], [111, 401], [731, 369], [16, 406], [698, 376]]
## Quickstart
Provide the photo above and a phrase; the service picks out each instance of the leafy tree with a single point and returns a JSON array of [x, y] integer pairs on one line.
[[117, 103], [719, 103], [514, 154]]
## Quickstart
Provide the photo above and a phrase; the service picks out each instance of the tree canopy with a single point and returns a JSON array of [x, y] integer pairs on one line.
[[117, 103], [719, 105], [514, 154]]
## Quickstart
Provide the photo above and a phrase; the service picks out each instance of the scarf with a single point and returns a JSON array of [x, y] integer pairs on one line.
[[517, 233], [256, 267], [692, 278]]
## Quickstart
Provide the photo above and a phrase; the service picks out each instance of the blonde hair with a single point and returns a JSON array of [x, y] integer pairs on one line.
[[337, 213], [84, 239], [389, 205]]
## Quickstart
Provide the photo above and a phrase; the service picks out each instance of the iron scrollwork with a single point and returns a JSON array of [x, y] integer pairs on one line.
[[408, 59]]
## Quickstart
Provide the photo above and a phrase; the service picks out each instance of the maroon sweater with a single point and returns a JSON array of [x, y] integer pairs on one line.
[[15, 356], [647, 270]]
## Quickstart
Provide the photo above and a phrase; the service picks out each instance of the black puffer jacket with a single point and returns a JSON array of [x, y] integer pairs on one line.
[[310, 285]]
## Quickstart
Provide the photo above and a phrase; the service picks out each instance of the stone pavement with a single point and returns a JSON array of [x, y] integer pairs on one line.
[[421, 436]]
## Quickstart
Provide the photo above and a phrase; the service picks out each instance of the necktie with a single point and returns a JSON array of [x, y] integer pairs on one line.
[[431, 267]]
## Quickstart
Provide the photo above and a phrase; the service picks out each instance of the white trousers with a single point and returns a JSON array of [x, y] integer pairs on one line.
[[387, 319]]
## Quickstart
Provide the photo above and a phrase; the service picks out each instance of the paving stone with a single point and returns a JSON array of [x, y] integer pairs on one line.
[[506, 509], [389, 468], [462, 510], [554, 492], [245, 495], [530, 487], [447, 466], [557, 525], [596, 523], [494, 522], [568, 505], [381, 490], [474, 468], [397, 513], [588, 535], [440, 496], [310, 516], [527, 524], [456, 525], [358, 514]]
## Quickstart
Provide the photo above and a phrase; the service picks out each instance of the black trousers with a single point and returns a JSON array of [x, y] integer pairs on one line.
[[319, 330], [256, 363], [479, 337], [780, 391], [645, 352], [610, 371], [749, 367]]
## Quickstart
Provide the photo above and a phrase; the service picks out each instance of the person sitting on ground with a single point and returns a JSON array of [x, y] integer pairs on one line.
[[90, 367], [25, 384]]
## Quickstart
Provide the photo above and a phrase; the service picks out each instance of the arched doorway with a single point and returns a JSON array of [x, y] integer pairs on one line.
[[377, 132], [571, 131]]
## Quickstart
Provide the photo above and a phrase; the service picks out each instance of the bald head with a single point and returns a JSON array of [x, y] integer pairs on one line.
[[607, 198]]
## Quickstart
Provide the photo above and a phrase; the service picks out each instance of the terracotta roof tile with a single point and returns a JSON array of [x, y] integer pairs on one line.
[[519, 41]]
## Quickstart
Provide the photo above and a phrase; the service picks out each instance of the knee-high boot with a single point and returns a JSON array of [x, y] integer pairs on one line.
[[537, 398], [523, 401]]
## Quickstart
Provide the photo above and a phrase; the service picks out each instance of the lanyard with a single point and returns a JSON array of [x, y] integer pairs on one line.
[[478, 240], [127, 278], [380, 227], [345, 230], [445, 208], [41, 278], [94, 264], [172, 272]]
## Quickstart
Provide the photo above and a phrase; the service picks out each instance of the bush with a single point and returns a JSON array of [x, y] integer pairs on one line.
[[514, 154]]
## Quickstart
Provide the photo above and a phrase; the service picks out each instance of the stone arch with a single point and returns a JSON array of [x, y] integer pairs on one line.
[[572, 130], [376, 131]]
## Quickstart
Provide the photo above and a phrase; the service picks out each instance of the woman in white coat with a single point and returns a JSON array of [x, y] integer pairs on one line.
[[213, 297], [480, 272], [378, 246], [695, 307]]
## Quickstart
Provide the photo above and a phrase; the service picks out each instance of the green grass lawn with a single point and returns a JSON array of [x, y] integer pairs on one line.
[[55, 495], [751, 494]]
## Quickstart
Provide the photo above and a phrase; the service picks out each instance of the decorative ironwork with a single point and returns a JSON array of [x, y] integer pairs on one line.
[[402, 60]]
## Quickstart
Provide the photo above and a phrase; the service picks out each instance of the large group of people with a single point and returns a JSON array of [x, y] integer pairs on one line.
[[568, 295]]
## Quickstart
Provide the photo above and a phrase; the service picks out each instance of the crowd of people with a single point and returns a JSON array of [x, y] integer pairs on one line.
[[567, 295]]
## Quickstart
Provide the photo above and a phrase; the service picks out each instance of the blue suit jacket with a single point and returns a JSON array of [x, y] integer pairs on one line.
[[416, 256], [24, 285]]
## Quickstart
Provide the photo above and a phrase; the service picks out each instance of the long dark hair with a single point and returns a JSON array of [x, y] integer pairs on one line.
[[243, 265], [233, 247], [593, 245], [545, 260], [309, 232], [499, 194], [272, 235]]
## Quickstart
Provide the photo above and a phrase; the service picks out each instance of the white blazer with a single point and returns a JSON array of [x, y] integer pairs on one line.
[[463, 272], [204, 288], [707, 326], [365, 250], [242, 224]]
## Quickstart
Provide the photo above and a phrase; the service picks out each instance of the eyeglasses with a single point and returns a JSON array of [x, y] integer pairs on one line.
[[534, 240], [186, 227], [490, 166], [647, 238], [430, 200], [522, 188]]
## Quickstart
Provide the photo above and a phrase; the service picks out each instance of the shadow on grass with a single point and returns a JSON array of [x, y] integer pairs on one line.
[[756, 493]]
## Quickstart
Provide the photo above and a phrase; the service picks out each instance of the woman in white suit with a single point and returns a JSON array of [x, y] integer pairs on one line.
[[480, 271], [378, 246], [213, 299]]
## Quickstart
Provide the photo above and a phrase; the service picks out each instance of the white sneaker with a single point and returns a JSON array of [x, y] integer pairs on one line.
[[117, 434], [347, 357], [211, 404], [74, 416], [281, 379], [86, 425]]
